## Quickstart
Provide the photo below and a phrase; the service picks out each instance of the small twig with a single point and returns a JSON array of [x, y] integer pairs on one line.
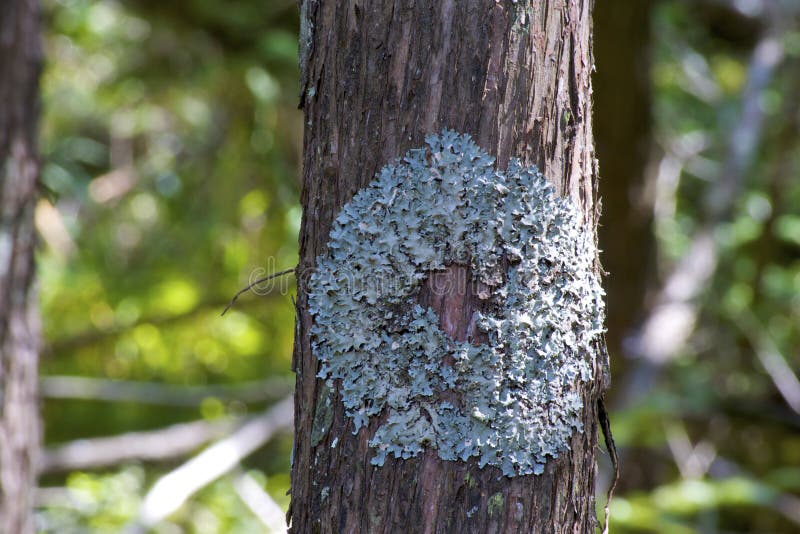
[[250, 286], [605, 425]]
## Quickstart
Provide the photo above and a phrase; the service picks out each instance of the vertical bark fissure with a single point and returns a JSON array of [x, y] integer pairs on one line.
[[474, 67], [20, 62]]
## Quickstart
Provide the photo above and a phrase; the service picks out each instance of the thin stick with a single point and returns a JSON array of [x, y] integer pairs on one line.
[[249, 287], [605, 425]]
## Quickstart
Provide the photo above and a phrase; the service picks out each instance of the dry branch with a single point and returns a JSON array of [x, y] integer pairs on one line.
[[157, 445], [174, 488], [102, 389], [260, 503]]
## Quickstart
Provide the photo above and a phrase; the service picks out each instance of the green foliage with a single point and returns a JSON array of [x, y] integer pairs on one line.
[[686, 505], [170, 137], [109, 502], [98, 503], [170, 143], [717, 396]]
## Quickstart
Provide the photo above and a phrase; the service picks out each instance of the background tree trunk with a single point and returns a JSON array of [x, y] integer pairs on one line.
[[622, 127], [20, 62], [376, 78]]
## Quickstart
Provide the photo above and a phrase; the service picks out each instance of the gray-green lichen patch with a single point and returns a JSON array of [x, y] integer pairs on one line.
[[517, 396], [323, 416], [495, 504]]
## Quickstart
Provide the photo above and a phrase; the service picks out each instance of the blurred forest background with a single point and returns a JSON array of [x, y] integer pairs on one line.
[[171, 141]]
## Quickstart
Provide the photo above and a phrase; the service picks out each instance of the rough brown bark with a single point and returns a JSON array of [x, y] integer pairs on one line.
[[20, 61], [376, 78]]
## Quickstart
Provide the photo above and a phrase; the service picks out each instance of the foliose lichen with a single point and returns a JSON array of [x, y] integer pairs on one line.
[[323, 416], [518, 394], [495, 503]]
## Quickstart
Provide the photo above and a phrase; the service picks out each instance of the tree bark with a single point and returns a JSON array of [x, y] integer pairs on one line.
[[20, 64], [376, 77]]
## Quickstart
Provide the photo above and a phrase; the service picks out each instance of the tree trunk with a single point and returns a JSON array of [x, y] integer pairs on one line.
[[376, 78], [20, 62]]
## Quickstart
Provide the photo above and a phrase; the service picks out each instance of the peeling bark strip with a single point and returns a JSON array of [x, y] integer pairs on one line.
[[20, 61], [378, 77]]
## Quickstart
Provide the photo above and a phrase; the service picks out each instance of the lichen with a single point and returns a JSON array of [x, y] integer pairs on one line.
[[517, 396], [519, 511], [323, 416], [469, 480], [495, 504]]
